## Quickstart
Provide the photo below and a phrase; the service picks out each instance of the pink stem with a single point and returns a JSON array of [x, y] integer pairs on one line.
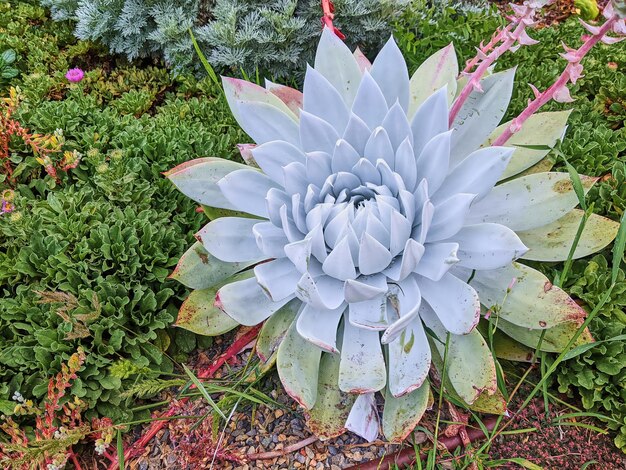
[[496, 38], [547, 95], [482, 68]]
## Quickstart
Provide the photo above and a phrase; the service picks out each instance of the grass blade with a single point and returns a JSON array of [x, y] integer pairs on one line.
[[203, 391]]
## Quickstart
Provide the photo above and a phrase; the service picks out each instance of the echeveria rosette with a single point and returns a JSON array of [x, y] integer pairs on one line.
[[367, 216]]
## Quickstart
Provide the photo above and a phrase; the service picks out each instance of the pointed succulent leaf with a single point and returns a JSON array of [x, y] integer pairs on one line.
[[481, 113], [530, 201], [439, 70], [199, 315], [198, 269], [532, 301], [334, 60], [554, 340], [394, 86], [553, 242], [198, 179], [237, 90], [540, 130], [492, 403], [231, 239], [290, 96], [402, 414], [274, 329], [327, 419], [298, 364]]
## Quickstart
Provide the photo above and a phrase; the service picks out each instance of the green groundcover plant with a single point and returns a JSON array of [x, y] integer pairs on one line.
[[382, 233]]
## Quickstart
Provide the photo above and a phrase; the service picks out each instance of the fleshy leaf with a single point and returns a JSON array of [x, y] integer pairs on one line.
[[198, 269], [198, 179], [439, 70], [553, 242], [533, 301], [199, 315], [401, 415], [554, 340], [274, 329], [541, 129], [298, 364]]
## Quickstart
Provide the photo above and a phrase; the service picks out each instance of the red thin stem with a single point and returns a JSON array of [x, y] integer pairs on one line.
[[327, 19], [547, 95], [75, 460], [495, 39], [235, 348]]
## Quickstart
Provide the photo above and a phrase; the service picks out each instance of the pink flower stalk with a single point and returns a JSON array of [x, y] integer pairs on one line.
[[485, 49], [327, 20], [75, 75], [573, 71], [511, 38]]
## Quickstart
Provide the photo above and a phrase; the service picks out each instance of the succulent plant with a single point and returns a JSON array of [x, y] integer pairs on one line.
[[367, 232]]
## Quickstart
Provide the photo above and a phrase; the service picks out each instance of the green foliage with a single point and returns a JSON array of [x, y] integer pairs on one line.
[[273, 37], [7, 70], [84, 262]]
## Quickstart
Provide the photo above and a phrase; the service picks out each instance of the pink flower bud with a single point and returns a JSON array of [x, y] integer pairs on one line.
[[562, 95]]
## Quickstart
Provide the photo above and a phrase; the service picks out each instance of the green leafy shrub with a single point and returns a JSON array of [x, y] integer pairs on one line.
[[275, 38]]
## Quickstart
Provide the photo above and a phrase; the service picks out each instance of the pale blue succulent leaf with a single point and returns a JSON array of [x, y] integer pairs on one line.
[[449, 216], [317, 167], [323, 100], [481, 113], [406, 263], [278, 278], [478, 173], [370, 314], [270, 239], [265, 123], [339, 263], [363, 419], [379, 147], [295, 178], [405, 307], [247, 191], [344, 157], [366, 171], [319, 326], [434, 160], [394, 85], [317, 134], [409, 359], [370, 104], [365, 288], [362, 368], [235, 299], [273, 156], [431, 119], [397, 126], [320, 292], [373, 256], [456, 304], [437, 260], [231, 239], [275, 199], [405, 164], [357, 133], [488, 246]]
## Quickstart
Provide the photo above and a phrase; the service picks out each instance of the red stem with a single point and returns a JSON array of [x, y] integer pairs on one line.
[[496, 38], [75, 460], [234, 349], [327, 19], [547, 95]]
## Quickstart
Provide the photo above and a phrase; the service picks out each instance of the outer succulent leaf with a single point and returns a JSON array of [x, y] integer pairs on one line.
[[477, 173], [274, 329], [540, 130], [470, 366], [439, 70], [430, 119], [298, 364], [544, 165], [327, 419], [365, 288], [363, 418], [455, 303], [213, 213], [198, 269], [371, 314], [437, 260], [265, 123], [449, 217], [494, 404], [395, 86], [317, 134], [246, 302], [320, 326], [553, 242], [231, 239], [321, 292], [530, 201], [247, 190], [199, 315], [323, 100], [507, 348], [533, 301], [362, 368], [290, 96], [402, 414], [488, 246], [408, 359], [270, 239], [278, 278], [481, 113], [198, 179], [273, 156], [237, 90], [554, 340], [334, 60]]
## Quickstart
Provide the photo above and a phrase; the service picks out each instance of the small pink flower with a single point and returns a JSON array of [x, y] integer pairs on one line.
[[75, 75]]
